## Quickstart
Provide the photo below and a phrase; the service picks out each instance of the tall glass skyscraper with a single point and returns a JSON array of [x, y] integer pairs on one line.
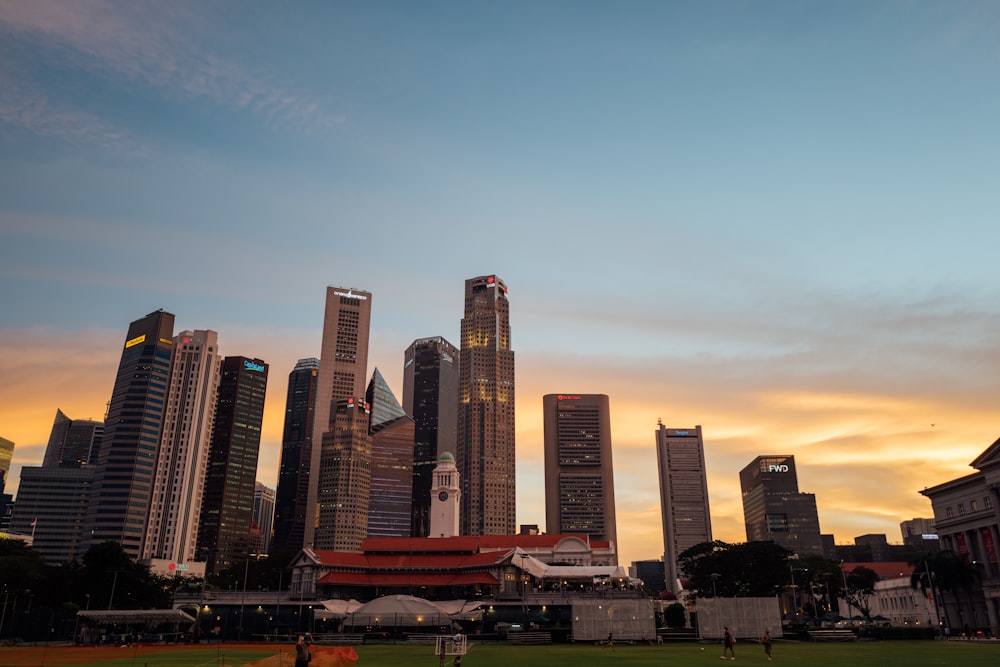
[[227, 505], [127, 454], [292, 493], [485, 444], [391, 480], [430, 396], [680, 460], [579, 472], [182, 459], [343, 374]]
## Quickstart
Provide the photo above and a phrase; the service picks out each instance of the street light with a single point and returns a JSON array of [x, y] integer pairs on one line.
[[715, 577]]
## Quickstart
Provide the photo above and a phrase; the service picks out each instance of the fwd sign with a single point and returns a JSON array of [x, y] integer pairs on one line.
[[779, 467]]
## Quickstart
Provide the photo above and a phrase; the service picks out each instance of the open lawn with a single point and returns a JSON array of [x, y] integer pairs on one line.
[[807, 654]]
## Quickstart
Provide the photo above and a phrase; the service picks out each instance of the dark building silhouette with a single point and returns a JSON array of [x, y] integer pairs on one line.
[[391, 480], [127, 453], [291, 496], [227, 504], [485, 453], [579, 471], [72, 442], [775, 510], [430, 397], [52, 505]]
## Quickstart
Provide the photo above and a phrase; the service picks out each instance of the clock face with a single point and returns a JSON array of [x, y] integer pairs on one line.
[[443, 495]]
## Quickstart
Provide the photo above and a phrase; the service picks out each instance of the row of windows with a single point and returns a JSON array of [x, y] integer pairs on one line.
[[973, 507]]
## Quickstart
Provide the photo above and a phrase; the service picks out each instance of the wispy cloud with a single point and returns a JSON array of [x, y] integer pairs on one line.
[[167, 48]]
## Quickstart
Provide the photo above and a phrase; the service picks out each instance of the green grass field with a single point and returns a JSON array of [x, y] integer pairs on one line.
[[811, 654]]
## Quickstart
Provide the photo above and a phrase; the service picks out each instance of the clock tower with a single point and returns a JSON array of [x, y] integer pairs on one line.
[[445, 496]]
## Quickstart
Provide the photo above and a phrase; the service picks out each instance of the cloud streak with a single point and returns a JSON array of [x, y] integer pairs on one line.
[[138, 45]]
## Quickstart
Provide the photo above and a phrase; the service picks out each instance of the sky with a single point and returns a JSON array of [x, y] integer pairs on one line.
[[776, 220]]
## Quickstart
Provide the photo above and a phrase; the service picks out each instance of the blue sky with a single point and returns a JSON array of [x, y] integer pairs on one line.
[[773, 219]]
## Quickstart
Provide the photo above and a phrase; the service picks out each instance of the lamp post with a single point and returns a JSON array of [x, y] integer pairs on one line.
[[3, 616], [114, 584], [524, 591], [715, 577]]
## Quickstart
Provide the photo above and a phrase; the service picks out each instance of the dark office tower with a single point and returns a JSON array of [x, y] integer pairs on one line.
[[485, 445], [391, 480], [72, 442], [344, 478], [430, 396], [342, 374], [579, 474], [296, 452], [227, 504], [680, 460], [774, 509], [52, 505], [263, 514], [127, 453]]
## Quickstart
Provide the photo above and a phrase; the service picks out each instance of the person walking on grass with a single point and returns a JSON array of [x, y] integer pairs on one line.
[[766, 641], [728, 644], [302, 654]]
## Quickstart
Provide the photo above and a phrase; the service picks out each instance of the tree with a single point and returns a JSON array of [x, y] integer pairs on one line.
[[860, 589], [674, 616], [946, 572], [818, 577], [747, 569]]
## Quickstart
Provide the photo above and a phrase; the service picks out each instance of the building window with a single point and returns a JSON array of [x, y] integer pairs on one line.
[[961, 509], [973, 506], [948, 512], [986, 503]]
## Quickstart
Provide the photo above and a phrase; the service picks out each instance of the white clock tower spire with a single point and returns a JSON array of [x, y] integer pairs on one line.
[[445, 497]]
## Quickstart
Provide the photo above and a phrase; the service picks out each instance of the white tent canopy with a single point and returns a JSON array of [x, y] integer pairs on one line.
[[410, 610]]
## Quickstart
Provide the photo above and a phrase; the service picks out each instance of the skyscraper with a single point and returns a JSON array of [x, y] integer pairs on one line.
[[342, 375], [485, 439], [72, 442], [775, 510], [227, 504], [263, 514], [182, 459], [430, 396], [344, 478], [579, 472], [52, 504], [127, 453], [680, 460], [291, 497], [391, 480]]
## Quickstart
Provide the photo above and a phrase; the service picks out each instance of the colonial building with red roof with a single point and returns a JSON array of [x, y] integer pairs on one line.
[[467, 567]]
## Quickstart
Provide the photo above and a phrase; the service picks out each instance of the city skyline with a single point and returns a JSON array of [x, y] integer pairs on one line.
[[774, 221]]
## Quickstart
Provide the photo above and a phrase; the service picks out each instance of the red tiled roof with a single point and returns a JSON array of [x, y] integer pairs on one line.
[[424, 579], [889, 570], [392, 561]]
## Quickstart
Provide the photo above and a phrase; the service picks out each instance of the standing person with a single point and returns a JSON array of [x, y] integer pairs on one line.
[[766, 641], [302, 653], [728, 644], [611, 643]]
